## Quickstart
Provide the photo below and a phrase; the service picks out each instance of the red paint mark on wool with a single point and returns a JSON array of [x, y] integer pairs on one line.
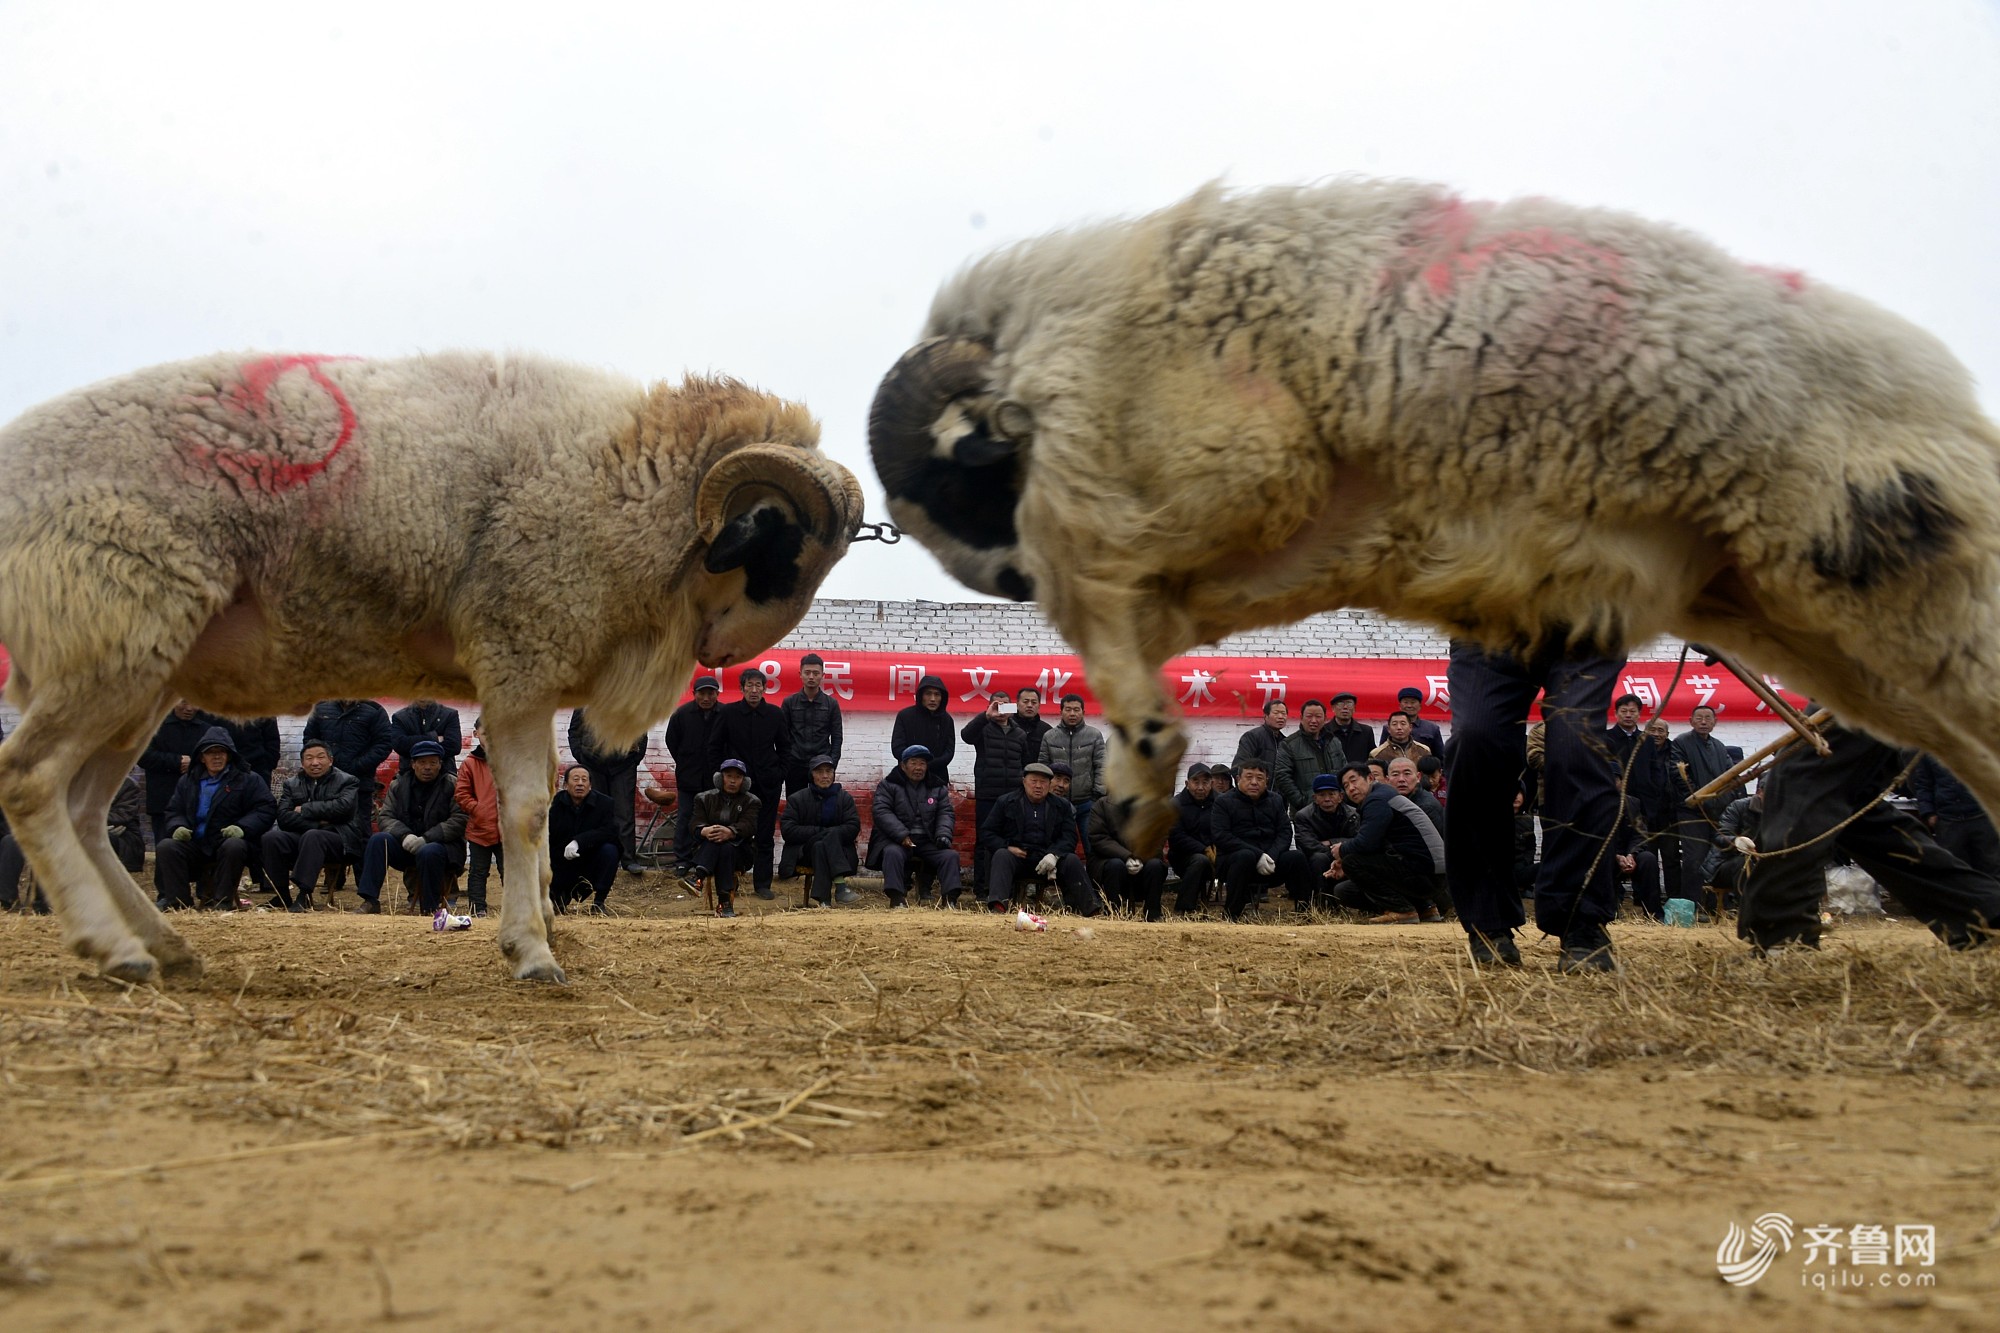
[[1789, 278], [250, 397], [1444, 239]]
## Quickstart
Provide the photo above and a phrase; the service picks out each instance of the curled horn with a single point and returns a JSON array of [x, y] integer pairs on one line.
[[916, 418], [821, 494]]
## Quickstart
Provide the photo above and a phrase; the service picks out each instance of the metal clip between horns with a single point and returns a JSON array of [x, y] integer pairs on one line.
[[886, 533]]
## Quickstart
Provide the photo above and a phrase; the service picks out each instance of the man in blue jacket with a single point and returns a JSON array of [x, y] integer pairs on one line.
[[1394, 865], [217, 813]]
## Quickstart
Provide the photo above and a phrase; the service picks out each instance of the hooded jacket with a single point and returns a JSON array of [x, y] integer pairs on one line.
[[918, 725], [920, 812], [241, 798]]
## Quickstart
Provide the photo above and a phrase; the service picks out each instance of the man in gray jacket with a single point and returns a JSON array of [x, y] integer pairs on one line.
[[1075, 742]]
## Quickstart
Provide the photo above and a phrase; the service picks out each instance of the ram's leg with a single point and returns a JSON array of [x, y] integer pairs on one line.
[[1146, 756], [39, 764], [521, 743], [90, 794]]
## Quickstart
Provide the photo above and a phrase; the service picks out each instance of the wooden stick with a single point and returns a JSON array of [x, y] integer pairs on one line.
[[1740, 771], [1789, 715], [758, 1122]]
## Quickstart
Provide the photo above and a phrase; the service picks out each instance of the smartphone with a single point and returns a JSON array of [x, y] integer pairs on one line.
[[1010, 708]]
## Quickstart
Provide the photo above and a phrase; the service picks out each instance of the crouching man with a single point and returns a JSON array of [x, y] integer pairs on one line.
[[1329, 819], [217, 811], [584, 844], [725, 822], [821, 825], [1253, 835], [1393, 867], [1128, 877], [1191, 842], [315, 811], [422, 827], [914, 822], [1032, 833]]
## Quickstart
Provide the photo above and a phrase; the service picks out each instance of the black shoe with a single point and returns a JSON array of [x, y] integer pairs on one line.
[[1587, 949], [633, 867], [369, 907], [896, 900], [765, 893], [843, 894], [1493, 951], [723, 907]]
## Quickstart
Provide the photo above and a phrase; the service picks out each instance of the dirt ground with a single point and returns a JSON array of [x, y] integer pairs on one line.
[[853, 1118]]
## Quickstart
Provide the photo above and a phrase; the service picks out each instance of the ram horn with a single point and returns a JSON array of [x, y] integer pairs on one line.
[[824, 497], [911, 422]]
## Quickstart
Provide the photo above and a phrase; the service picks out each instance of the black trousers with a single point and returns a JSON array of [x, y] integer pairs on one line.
[[764, 843], [685, 836], [1695, 834], [177, 865], [296, 859], [827, 854], [12, 862], [1646, 889], [593, 871], [481, 861], [1127, 889], [981, 807], [1490, 695], [1079, 894], [623, 789], [896, 860], [1384, 882], [1972, 841], [719, 860], [1197, 872], [1805, 796], [1241, 880]]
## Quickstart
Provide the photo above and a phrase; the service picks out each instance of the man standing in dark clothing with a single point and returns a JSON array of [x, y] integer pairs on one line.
[[615, 774], [257, 742], [358, 733], [217, 813], [1393, 864], [926, 723], [693, 733], [428, 720], [1304, 755], [1032, 724], [1253, 838], [1032, 834], [1410, 701], [169, 757], [1355, 739], [813, 716], [1954, 816], [1697, 759], [1261, 742], [1000, 752], [1805, 797], [755, 732], [1575, 891]]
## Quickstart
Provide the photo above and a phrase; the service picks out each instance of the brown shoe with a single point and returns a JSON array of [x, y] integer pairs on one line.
[[1432, 914], [1393, 919]]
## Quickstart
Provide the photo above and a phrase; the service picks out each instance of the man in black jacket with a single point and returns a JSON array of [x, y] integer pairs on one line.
[[168, 758], [756, 733], [926, 723], [725, 820], [821, 825], [692, 734], [427, 720], [914, 822], [217, 812], [1355, 739], [1326, 821], [614, 774], [1032, 833], [1253, 835], [315, 811], [1261, 741], [1954, 816], [359, 734], [257, 742], [1033, 725], [422, 826], [1191, 842], [583, 843], [1129, 876], [1393, 866], [812, 715], [1000, 751]]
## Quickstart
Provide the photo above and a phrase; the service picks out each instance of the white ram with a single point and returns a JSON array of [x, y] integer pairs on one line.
[[257, 533]]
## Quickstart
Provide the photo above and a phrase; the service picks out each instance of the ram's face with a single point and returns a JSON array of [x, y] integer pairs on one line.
[[949, 451], [776, 518]]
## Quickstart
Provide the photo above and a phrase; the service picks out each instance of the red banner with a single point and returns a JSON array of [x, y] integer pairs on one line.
[[1217, 687]]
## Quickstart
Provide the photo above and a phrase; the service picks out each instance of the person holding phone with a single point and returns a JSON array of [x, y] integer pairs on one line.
[[1000, 746]]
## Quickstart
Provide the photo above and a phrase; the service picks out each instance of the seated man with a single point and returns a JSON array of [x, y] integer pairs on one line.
[[1129, 877], [218, 809], [422, 827], [1330, 818], [1741, 827], [1253, 835], [1190, 843], [1393, 867], [1032, 832], [725, 822], [584, 842], [1638, 862], [315, 811], [821, 824], [913, 821]]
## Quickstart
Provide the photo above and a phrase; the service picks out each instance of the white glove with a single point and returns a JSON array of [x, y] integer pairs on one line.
[[1046, 865], [413, 843], [1744, 845], [1133, 865], [1265, 865], [571, 852]]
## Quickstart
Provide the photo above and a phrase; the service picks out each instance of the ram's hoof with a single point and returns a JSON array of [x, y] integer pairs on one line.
[[547, 971], [132, 971], [177, 960]]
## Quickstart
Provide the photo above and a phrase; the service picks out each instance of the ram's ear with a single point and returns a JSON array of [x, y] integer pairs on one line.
[[759, 508]]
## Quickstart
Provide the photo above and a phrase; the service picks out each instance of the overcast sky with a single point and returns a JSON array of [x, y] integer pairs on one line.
[[775, 190]]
